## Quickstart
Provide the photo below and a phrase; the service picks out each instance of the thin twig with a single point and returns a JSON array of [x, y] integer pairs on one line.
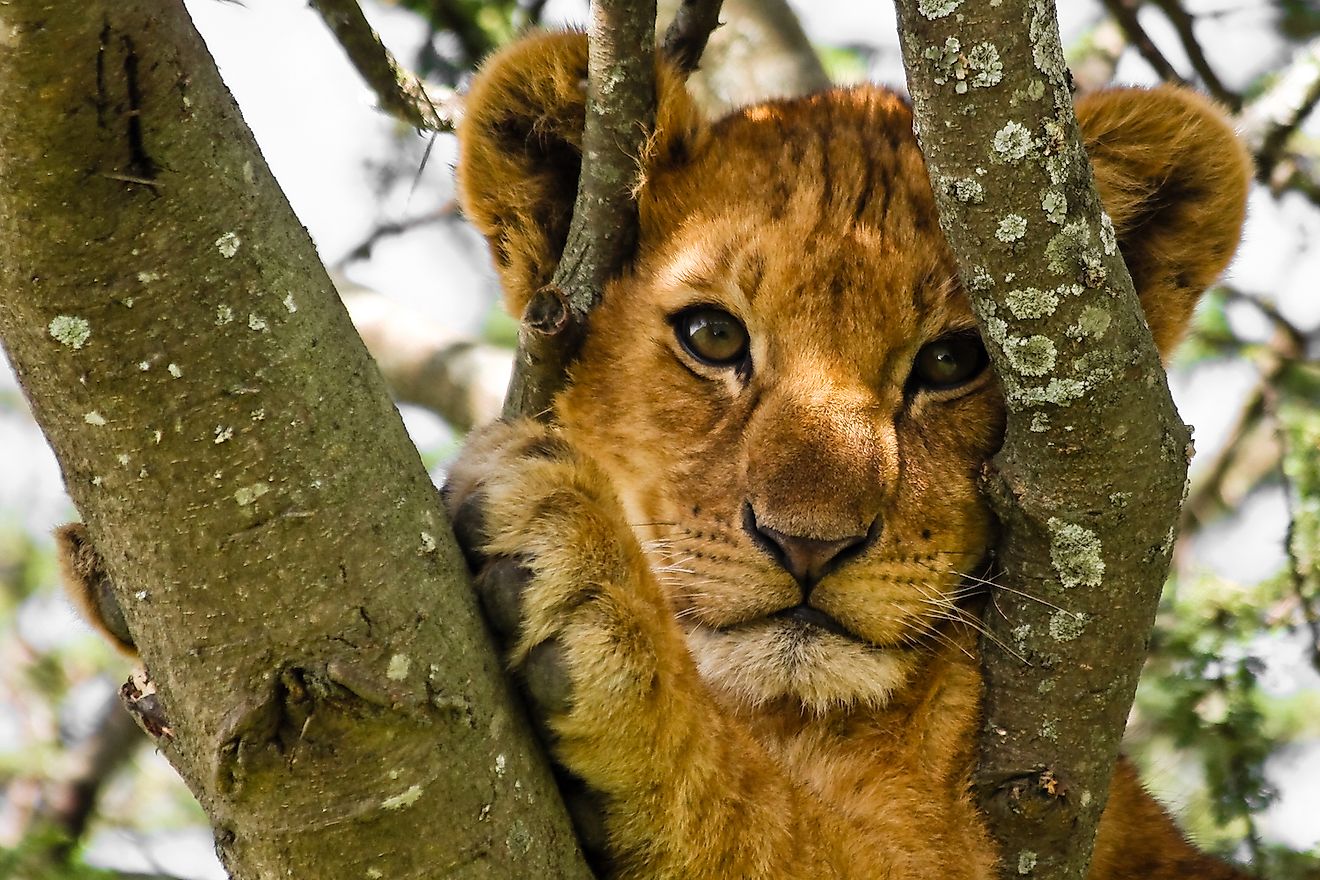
[[401, 94], [362, 251], [685, 39], [1125, 13], [1184, 26], [619, 119]]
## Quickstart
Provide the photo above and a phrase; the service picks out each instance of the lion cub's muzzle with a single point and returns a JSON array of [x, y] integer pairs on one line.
[[807, 559]]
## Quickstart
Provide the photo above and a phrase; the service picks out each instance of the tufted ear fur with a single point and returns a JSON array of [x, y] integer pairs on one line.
[[520, 151], [1173, 176]]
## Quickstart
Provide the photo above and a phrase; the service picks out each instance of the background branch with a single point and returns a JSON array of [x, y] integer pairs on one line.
[[759, 52], [685, 38], [400, 93], [1184, 26], [424, 364], [1125, 13]]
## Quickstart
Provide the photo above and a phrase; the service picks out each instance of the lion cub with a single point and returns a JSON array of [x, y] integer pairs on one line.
[[732, 576]]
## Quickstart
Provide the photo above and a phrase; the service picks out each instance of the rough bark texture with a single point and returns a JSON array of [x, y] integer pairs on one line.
[[322, 678], [620, 118], [1091, 425]]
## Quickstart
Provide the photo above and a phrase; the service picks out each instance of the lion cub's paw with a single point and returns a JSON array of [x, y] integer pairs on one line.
[[561, 578]]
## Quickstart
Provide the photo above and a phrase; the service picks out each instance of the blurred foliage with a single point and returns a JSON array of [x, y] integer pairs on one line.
[[1299, 19]]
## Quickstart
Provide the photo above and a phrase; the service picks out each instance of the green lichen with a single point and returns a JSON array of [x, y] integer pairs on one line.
[[1026, 862], [398, 668], [967, 190], [979, 67], [1055, 205], [1030, 302], [934, 9], [1040, 423], [1060, 392], [1032, 356], [406, 799], [228, 244], [70, 330], [1066, 626], [1064, 250], [1011, 228], [1011, 143], [248, 494], [1021, 633], [1092, 323], [984, 60], [1076, 553], [1108, 237]]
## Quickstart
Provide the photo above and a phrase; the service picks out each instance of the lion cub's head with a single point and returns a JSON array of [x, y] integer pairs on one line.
[[788, 389]]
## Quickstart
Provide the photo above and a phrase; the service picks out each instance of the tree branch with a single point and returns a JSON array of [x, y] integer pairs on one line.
[[323, 679], [1183, 25], [759, 51], [620, 117], [1082, 571], [1125, 13], [400, 93], [68, 801], [426, 365], [1271, 119], [686, 36]]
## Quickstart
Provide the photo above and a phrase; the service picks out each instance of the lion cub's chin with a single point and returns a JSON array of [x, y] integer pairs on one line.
[[767, 660]]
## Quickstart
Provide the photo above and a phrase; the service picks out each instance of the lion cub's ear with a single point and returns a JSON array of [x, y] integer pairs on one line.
[[89, 586], [1173, 176], [520, 151]]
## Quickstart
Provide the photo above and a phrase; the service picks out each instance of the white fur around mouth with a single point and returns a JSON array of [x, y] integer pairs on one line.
[[775, 658]]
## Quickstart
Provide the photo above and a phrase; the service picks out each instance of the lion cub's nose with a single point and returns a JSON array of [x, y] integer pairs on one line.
[[806, 559]]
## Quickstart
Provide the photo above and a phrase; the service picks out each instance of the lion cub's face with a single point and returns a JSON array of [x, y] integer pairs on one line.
[[791, 399]]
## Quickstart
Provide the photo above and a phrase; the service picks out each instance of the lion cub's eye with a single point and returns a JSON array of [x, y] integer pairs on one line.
[[949, 362], [712, 336]]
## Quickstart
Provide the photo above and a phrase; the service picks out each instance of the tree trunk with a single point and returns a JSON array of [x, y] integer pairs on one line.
[[1081, 567], [322, 679]]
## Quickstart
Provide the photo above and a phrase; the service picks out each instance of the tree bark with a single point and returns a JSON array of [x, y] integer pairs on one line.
[[1082, 568], [620, 117], [322, 678]]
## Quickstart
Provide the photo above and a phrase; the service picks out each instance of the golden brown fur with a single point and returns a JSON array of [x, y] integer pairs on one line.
[[721, 740]]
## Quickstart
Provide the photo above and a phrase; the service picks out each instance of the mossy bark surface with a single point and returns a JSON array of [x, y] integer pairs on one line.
[[322, 678], [1091, 474]]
